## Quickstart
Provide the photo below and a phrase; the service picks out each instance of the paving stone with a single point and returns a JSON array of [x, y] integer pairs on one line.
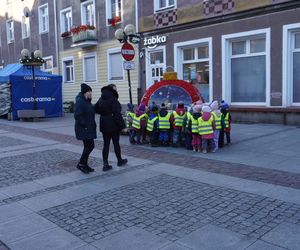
[[133, 239], [261, 245], [212, 237], [55, 239], [129, 205], [6, 141], [285, 235]]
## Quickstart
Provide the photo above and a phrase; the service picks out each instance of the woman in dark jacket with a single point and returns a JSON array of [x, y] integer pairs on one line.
[[85, 125], [111, 123]]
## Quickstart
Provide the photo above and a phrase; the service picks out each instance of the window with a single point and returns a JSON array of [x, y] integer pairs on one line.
[[43, 19], [25, 27], [48, 65], [115, 65], [155, 64], [89, 68], [246, 67], [10, 31], [114, 10], [164, 4], [88, 13], [291, 65], [193, 63], [66, 20], [68, 70]]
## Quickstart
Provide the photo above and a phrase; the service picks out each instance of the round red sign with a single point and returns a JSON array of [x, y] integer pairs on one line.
[[127, 51]]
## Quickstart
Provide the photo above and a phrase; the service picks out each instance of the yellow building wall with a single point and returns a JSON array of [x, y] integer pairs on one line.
[[70, 90]]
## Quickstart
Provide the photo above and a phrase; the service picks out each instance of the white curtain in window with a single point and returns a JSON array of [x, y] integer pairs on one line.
[[116, 67], [248, 79], [90, 69]]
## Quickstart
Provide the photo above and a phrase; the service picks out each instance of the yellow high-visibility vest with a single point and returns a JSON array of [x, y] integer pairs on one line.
[[128, 115], [217, 120], [137, 121], [178, 119], [194, 125], [150, 124], [188, 118], [164, 122], [205, 127], [226, 120]]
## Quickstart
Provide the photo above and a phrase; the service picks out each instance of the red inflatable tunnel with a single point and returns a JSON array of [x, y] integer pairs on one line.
[[171, 91]]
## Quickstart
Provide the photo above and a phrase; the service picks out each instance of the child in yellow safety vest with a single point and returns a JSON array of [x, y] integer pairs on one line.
[[177, 118], [129, 119], [226, 124], [206, 128], [152, 125], [217, 118], [139, 123], [164, 125], [193, 128]]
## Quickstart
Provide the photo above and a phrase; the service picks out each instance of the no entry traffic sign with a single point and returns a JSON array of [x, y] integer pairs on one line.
[[127, 51]]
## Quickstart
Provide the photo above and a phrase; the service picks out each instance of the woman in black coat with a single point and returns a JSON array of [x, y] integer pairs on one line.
[[85, 125], [111, 123]]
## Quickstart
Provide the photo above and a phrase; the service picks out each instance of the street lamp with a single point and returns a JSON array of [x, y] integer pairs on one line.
[[32, 60], [126, 35]]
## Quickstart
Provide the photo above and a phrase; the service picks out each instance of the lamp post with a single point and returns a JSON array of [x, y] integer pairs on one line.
[[126, 36], [32, 60]]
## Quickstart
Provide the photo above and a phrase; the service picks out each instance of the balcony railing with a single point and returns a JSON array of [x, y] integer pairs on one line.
[[84, 36]]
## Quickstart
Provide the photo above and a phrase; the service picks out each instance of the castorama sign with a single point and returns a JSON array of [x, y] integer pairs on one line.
[[152, 42], [37, 99]]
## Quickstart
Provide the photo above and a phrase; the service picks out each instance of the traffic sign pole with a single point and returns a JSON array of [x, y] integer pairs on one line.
[[128, 53]]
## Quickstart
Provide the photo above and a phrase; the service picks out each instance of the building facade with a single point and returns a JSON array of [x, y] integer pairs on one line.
[[76, 39], [244, 52], [29, 24], [88, 49]]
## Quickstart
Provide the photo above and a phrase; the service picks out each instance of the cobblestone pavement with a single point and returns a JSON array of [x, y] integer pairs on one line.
[[6, 141], [271, 176], [66, 185], [171, 207], [32, 166]]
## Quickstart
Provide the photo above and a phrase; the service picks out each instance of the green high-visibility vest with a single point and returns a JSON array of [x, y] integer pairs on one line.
[[150, 124], [164, 122], [194, 125], [178, 119], [128, 115], [217, 120], [137, 121], [205, 127]]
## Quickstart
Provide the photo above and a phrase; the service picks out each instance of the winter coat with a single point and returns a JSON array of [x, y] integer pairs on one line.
[[196, 116], [85, 125], [109, 108], [224, 113], [205, 117]]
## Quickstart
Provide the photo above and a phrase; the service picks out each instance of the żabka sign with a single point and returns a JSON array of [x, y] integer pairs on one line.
[[153, 41]]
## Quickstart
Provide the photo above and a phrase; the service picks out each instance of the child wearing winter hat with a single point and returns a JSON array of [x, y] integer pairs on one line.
[[193, 128], [217, 118], [176, 120], [164, 125], [206, 128], [226, 124], [152, 126], [139, 123]]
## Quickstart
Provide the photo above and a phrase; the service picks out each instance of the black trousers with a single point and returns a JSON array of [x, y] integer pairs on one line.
[[88, 148], [221, 138], [115, 137]]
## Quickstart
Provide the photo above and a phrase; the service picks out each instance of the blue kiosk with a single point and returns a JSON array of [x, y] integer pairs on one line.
[[16, 91]]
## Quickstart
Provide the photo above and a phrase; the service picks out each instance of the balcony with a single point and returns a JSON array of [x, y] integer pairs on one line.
[[84, 36]]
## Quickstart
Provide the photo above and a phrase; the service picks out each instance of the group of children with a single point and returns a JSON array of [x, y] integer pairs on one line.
[[201, 128]]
